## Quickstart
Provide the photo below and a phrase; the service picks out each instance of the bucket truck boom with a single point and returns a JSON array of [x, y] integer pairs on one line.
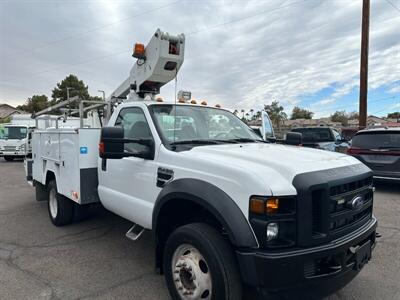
[[156, 65]]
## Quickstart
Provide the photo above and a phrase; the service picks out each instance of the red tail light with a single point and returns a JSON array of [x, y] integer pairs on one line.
[[353, 150], [101, 148]]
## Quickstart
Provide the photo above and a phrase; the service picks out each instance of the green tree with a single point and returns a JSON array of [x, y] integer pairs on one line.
[[353, 115], [340, 116], [276, 113], [394, 115], [301, 113], [35, 104], [76, 88]]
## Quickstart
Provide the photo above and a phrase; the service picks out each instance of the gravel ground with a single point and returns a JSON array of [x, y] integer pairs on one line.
[[94, 260]]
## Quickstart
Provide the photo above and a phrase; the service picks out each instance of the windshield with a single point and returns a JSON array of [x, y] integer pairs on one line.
[[315, 135], [200, 125], [377, 140], [14, 132]]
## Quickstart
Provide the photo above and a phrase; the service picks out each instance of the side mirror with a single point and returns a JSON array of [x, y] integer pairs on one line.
[[112, 142], [293, 138]]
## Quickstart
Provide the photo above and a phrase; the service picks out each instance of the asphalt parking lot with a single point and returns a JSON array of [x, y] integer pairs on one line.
[[93, 259]]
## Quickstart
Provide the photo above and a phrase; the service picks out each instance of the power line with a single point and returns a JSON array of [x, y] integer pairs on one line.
[[394, 6], [83, 33], [327, 109], [280, 6], [190, 33]]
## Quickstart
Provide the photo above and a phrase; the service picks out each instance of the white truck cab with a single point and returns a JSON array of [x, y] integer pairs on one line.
[[227, 209], [14, 141]]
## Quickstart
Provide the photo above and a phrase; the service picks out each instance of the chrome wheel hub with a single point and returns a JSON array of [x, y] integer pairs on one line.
[[191, 274], [53, 204]]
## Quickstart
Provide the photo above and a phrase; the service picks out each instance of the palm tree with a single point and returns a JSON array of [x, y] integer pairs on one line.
[[276, 113]]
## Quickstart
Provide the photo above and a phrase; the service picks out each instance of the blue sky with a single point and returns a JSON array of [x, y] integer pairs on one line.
[[240, 54]]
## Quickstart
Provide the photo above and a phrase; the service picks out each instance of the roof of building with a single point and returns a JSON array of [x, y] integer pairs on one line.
[[7, 110]]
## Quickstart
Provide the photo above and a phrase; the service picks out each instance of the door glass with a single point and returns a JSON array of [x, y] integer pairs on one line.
[[135, 126]]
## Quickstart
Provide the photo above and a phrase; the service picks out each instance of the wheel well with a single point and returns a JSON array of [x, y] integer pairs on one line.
[[49, 177], [176, 213]]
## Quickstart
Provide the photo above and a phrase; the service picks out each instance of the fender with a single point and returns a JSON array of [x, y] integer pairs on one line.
[[216, 201]]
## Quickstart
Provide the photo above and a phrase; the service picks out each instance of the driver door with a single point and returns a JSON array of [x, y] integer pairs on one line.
[[128, 185]]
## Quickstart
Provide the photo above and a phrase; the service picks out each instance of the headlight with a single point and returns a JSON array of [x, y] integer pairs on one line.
[[272, 231], [273, 220]]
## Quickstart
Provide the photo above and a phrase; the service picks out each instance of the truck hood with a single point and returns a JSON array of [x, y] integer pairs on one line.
[[276, 164]]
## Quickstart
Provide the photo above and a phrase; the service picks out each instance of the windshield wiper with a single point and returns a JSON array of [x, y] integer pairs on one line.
[[245, 140], [196, 142]]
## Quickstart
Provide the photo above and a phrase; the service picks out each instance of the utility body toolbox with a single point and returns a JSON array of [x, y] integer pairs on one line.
[[70, 156]]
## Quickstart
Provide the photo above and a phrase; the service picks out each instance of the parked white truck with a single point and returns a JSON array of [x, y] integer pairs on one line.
[[14, 141], [226, 208]]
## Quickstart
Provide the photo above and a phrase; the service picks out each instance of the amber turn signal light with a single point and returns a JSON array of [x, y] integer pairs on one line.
[[272, 205], [257, 206]]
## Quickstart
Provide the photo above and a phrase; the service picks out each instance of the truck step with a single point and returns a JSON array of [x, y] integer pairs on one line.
[[135, 232]]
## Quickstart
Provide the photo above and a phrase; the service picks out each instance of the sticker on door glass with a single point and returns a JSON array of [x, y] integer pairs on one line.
[[83, 150]]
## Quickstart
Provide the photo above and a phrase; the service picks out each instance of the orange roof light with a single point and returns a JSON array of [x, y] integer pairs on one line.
[[159, 99], [217, 106], [204, 102], [193, 101], [139, 51], [181, 100]]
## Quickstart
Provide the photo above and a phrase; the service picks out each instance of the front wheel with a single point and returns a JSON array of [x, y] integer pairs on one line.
[[199, 264]]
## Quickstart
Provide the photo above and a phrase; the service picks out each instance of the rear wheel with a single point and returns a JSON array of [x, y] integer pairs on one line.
[[199, 264], [8, 158], [61, 209]]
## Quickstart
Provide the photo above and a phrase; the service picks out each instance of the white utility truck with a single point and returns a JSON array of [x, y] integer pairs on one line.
[[14, 141], [227, 209]]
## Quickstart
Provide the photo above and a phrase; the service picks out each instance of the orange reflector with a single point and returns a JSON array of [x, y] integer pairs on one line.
[[256, 206], [204, 103], [193, 101], [272, 206], [159, 99], [181, 100]]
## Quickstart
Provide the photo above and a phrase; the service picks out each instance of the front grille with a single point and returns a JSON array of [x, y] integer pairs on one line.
[[350, 186], [334, 210], [9, 148]]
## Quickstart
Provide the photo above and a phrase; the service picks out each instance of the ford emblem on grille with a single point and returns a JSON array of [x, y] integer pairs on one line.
[[357, 202]]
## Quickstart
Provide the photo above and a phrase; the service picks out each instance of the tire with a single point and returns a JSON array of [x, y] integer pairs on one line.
[[198, 249], [8, 158], [81, 212], [61, 209], [41, 193]]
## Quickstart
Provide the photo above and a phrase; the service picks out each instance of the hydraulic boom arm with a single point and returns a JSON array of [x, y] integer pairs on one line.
[[156, 65]]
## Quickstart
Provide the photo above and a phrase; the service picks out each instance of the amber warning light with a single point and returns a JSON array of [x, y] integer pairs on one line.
[[139, 51]]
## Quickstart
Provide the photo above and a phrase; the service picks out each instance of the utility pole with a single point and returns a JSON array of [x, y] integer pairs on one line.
[[362, 122], [104, 94]]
